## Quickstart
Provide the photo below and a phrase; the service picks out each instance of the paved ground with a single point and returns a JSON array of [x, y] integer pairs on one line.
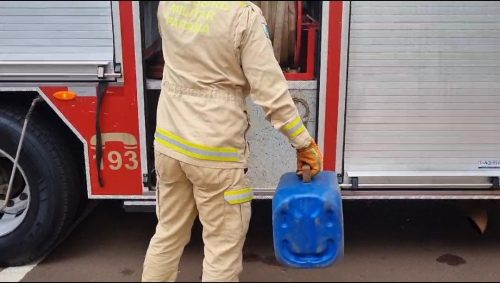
[[385, 241]]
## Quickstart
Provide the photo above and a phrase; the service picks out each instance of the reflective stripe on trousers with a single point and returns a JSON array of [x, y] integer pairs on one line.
[[238, 196]]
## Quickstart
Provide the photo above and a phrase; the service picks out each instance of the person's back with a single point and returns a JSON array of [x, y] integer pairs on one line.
[[199, 43], [212, 61], [216, 53]]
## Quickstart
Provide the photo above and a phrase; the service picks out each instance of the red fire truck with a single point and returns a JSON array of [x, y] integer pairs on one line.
[[403, 98]]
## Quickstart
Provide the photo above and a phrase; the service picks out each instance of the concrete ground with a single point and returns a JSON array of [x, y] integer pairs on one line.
[[384, 241]]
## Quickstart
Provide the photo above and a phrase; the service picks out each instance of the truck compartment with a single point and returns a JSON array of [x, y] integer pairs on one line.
[[294, 32], [422, 107], [271, 154], [58, 41]]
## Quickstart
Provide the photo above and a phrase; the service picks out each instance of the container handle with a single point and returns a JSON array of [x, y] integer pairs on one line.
[[306, 173]]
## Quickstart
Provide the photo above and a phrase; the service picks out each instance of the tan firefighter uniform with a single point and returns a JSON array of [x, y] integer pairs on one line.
[[216, 54]]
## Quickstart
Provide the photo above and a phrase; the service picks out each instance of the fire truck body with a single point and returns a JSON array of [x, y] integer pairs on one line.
[[117, 61]]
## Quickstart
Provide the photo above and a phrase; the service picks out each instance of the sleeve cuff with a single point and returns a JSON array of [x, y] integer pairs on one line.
[[302, 140]]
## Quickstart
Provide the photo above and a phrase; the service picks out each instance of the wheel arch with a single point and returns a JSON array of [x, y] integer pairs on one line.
[[22, 97]]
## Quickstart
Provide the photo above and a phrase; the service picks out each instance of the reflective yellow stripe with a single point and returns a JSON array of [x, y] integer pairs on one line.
[[244, 3], [238, 192], [196, 155], [198, 146], [240, 201], [238, 196], [298, 131], [292, 124], [294, 128], [197, 151]]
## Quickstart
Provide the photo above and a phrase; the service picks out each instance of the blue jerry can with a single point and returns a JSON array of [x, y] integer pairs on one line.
[[308, 221]]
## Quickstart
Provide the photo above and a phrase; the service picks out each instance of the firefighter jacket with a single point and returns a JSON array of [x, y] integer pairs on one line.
[[216, 54]]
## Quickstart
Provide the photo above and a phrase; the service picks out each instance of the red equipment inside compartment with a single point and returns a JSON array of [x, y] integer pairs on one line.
[[307, 29]]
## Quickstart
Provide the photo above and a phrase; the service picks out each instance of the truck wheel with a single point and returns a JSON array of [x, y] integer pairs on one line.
[[46, 191]]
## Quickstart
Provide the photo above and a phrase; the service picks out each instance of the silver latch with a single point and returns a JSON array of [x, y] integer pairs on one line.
[[100, 72]]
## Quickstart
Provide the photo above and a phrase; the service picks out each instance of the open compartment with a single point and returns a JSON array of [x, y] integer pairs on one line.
[[294, 31]]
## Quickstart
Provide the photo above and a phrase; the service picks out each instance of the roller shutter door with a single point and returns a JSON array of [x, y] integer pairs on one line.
[[423, 94]]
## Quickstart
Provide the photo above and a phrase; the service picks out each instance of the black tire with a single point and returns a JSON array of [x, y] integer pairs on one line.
[[55, 185]]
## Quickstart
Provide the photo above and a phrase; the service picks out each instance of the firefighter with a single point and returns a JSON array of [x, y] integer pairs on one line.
[[216, 53]]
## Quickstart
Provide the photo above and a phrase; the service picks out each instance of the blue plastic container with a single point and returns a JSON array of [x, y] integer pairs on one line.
[[307, 221]]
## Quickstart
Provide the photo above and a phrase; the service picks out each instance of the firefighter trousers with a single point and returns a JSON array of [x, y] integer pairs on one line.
[[220, 197]]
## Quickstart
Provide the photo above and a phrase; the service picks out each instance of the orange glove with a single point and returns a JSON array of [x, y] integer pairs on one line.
[[311, 156]]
